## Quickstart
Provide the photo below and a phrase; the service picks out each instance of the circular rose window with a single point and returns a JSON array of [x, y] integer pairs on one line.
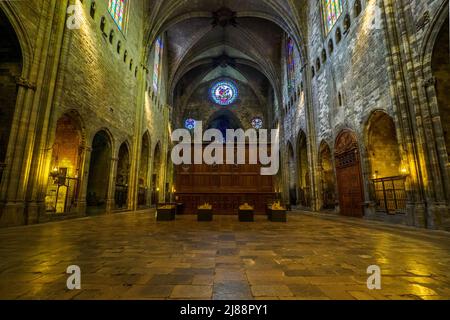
[[257, 123], [189, 124], [224, 93]]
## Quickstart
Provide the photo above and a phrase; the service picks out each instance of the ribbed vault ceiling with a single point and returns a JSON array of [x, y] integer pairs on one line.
[[206, 39]]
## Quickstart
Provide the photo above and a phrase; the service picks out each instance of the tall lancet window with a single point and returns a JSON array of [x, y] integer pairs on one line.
[[117, 9], [332, 10], [157, 63], [290, 59]]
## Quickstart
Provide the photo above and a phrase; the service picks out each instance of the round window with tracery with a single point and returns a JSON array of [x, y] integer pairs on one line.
[[257, 123], [189, 124], [224, 93]]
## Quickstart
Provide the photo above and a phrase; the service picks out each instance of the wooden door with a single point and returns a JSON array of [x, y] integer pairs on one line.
[[349, 177]]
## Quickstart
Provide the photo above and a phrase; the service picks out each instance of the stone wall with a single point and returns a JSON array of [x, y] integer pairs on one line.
[[381, 59], [95, 79], [97, 74], [358, 68]]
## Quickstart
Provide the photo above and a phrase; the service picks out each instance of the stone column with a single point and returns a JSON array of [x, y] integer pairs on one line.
[[30, 104], [133, 189], [311, 135], [110, 199], [150, 179], [36, 206], [83, 181], [318, 175], [14, 180], [41, 159], [410, 120]]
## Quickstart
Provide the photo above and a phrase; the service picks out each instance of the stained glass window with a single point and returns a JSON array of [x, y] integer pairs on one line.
[[332, 10], [290, 63], [157, 63], [257, 123], [190, 124], [117, 10], [224, 93]]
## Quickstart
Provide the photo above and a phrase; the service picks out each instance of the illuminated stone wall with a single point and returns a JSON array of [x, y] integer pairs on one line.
[[390, 57], [362, 67], [441, 66], [82, 72]]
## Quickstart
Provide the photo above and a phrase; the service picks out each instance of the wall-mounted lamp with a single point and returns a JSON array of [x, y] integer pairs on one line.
[[54, 173], [404, 171], [375, 175]]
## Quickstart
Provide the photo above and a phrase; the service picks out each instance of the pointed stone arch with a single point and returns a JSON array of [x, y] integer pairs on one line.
[[382, 145], [222, 120], [63, 188], [436, 77], [99, 172], [122, 176], [327, 177], [11, 68]]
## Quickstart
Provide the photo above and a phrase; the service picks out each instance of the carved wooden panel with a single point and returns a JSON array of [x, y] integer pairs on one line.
[[224, 186]]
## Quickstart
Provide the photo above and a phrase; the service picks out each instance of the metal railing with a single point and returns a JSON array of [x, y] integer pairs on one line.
[[390, 194]]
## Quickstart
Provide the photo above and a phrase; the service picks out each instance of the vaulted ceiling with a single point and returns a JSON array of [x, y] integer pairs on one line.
[[241, 39]]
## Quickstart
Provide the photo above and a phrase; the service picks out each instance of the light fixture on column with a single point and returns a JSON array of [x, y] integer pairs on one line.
[[404, 170], [54, 174], [375, 175]]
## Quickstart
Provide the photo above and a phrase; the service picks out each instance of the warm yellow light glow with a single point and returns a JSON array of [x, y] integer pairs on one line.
[[404, 169], [375, 175]]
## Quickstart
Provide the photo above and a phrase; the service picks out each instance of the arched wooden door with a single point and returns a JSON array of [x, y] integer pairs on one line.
[[349, 177]]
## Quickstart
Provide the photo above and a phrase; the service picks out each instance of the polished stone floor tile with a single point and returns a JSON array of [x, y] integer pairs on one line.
[[171, 279], [149, 291], [241, 289], [192, 291], [312, 257], [271, 291]]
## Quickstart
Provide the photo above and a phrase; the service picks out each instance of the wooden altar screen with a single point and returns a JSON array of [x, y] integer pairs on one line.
[[225, 186]]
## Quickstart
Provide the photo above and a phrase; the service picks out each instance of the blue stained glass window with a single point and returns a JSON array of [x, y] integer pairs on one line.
[[257, 123], [290, 63], [157, 64], [224, 93], [190, 124]]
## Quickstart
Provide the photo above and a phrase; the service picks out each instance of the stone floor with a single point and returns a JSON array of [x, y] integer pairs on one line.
[[130, 256]]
